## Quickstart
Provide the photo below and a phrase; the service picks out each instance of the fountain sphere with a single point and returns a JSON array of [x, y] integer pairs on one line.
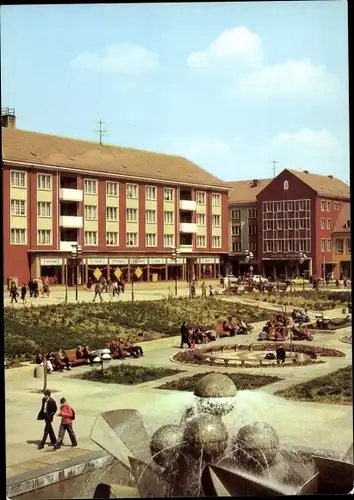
[[164, 444], [256, 444], [207, 434], [215, 385]]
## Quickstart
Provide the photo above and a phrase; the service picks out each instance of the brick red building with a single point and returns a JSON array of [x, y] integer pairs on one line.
[[126, 207], [297, 212]]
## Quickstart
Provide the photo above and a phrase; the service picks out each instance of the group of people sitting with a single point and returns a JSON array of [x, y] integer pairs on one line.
[[122, 348], [230, 329], [55, 360], [275, 328], [195, 335], [300, 316]]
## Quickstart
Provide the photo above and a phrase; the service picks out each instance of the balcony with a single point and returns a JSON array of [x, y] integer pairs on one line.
[[71, 194], [71, 221], [186, 248], [66, 246], [189, 205], [188, 227]]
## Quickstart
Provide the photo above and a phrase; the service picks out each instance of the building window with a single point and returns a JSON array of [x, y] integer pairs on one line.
[[44, 237], [90, 186], [201, 241], [201, 219], [132, 215], [132, 190], [280, 245], [302, 224], [168, 217], [323, 206], [150, 193], [328, 206], [349, 245], [44, 181], [329, 245], [18, 207], [291, 246], [286, 185], [112, 239], [268, 206], [268, 247], [252, 246], [216, 241], [335, 205], [44, 209], [216, 200], [339, 246], [323, 244], [280, 224], [168, 240], [236, 246], [252, 229], [302, 245], [18, 236], [168, 194], [132, 239], [18, 179], [236, 214], [290, 224], [150, 240], [112, 213], [236, 230], [329, 224], [216, 220], [112, 188], [90, 212], [200, 197], [323, 223], [91, 238], [252, 213], [150, 216], [301, 205], [290, 206], [268, 225]]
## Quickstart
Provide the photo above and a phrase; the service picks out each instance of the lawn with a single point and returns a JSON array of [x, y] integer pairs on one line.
[[242, 381], [127, 374], [96, 324], [310, 299], [333, 388]]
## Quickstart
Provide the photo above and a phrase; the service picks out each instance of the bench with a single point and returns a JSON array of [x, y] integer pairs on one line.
[[71, 354], [115, 355]]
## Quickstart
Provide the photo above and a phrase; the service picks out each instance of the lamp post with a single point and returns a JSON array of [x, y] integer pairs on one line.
[[174, 257], [76, 257], [103, 356], [302, 258], [66, 281], [248, 259]]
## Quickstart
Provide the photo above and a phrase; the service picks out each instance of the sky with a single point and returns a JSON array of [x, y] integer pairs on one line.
[[231, 86]]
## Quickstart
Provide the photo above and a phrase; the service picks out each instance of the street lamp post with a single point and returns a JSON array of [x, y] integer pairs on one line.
[[174, 257], [76, 256], [248, 259], [302, 258]]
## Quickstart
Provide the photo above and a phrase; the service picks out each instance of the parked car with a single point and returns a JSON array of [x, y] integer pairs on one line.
[[257, 278], [230, 279]]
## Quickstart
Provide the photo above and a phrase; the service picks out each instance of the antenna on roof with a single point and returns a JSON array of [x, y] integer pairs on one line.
[[101, 131], [274, 162]]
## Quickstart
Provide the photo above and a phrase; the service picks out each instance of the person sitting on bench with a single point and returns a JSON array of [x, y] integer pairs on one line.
[[78, 353], [126, 346]]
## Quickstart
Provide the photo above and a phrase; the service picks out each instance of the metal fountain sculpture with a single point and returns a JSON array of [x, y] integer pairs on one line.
[[199, 457]]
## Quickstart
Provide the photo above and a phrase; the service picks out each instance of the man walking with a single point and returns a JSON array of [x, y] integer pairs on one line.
[[98, 291], [23, 293], [185, 335], [46, 413], [203, 287], [67, 415]]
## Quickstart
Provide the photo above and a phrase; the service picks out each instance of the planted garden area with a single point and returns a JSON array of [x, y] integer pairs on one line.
[[243, 381], [54, 326], [127, 374], [333, 388], [310, 299]]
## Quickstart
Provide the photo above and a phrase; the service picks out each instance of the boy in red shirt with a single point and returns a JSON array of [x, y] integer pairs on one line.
[[67, 416]]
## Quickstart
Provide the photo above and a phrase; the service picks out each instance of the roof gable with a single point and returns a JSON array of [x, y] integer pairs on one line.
[[246, 191], [323, 185]]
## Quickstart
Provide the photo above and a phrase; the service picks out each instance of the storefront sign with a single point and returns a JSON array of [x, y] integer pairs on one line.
[[206, 260], [118, 262], [176, 262], [138, 261], [51, 262], [282, 256], [97, 262], [157, 261]]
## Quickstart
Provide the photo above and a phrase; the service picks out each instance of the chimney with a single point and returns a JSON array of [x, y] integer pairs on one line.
[[8, 118], [306, 172], [331, 177], [255, 183]]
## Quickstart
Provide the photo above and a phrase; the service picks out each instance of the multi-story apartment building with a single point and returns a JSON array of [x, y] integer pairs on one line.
[[297, 212], [243, 223], [341, 245], [125, 207]]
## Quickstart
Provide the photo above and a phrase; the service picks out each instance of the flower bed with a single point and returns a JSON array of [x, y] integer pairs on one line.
[[331, 328], [312, 300], [335, 387], [243, 381], [67, 326]]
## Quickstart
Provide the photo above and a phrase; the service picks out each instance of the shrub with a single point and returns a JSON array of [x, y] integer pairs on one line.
[[127, 374]]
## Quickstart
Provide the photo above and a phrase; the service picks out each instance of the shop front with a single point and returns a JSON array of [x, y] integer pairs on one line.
[[95, 269], [208, 268], [157, 269], [175, 269], [52, 268], [118, 268], [286, 267], [142, 264]]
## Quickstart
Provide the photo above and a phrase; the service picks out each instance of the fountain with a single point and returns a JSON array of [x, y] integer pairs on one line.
[[204, 454]]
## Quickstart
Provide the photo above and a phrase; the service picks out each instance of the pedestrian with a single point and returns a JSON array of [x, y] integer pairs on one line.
[[98, 291], [23, 293], [193, 290], [115, 288], [281, 355], [46, 413], [184, 335], [67, 415], [14, 293], [122, 286], [211, 291], [203, 287]]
